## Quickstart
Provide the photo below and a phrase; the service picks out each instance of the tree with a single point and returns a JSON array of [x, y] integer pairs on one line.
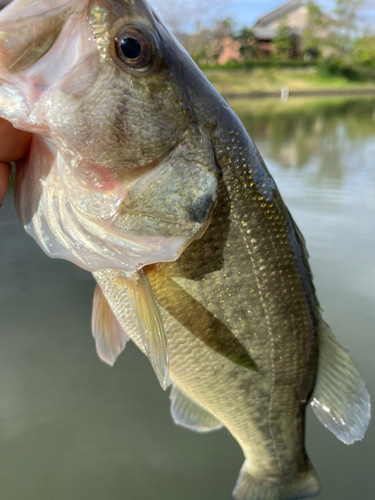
[[334, 35], [249, 44], [341, 38], [346, 28], [315, 37], [347, 17], [364, 51], [206, 44], [285, 41]]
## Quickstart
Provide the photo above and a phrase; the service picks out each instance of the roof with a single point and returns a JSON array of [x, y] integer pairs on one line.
[[278, 13]]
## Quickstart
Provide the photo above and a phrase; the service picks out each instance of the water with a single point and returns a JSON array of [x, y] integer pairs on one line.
[[72, 428]]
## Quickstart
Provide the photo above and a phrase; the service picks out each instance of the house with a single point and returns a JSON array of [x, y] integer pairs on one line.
[[293, 14]]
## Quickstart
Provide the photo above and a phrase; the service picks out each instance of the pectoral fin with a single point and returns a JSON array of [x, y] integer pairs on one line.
[[340, 399], [109, 336], [150, 324], [189, 414]]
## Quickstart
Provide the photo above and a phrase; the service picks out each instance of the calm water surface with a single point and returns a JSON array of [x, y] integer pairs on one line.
[[72, 428]]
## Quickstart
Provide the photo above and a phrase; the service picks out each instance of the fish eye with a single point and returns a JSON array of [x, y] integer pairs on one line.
[[134, 48]]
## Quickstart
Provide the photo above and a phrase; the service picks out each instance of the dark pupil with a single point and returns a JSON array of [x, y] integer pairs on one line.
[[131, 48]]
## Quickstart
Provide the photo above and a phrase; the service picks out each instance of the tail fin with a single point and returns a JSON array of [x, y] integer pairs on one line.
[[305, 485], [340, 399]]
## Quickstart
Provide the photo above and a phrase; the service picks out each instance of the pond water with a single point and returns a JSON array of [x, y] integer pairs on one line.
[[73, 428]]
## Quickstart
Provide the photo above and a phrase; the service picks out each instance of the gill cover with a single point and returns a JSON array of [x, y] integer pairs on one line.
[[118, 175]]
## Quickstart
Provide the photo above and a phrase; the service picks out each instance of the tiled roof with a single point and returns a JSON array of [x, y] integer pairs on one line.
[[278, 13]]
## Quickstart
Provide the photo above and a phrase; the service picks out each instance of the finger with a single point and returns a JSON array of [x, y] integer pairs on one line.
[[4, 178], [14, 143]]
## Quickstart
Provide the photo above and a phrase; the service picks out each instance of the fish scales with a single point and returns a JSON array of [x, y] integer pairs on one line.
[[140, 173], [262, 322], [256, 303]]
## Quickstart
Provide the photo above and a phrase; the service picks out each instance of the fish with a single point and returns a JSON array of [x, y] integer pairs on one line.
[[140, 173]]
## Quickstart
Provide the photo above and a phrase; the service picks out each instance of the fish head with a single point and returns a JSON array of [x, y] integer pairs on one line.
[[121, 172]]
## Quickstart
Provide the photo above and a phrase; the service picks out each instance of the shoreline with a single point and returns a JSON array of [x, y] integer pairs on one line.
[[260, 84], [284, 94]]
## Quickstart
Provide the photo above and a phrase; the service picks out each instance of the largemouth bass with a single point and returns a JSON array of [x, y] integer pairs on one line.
[[140, 173]]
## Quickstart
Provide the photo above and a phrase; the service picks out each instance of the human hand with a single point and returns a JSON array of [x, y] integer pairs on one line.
[[13, 146]]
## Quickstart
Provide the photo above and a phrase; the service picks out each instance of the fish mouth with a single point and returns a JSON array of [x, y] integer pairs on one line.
[[39, 45]]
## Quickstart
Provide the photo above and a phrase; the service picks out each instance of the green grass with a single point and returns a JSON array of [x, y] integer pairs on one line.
[[271, 107], [271, 80]]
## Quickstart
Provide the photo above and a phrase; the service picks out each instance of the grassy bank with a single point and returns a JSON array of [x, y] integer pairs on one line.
[[272, 80], [299, 106]]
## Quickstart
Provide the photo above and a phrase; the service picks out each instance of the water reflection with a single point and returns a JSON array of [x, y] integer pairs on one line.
[[71, 427], [322, 156], [329, 135]]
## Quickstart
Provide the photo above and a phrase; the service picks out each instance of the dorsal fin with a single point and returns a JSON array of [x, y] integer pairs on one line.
[[109, 336], [189, 414], [150, 324], [340, 399]]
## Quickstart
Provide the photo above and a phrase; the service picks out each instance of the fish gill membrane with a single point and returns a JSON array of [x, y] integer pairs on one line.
[[140, 173]]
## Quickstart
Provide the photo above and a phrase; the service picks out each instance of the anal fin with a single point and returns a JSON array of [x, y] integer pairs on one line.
[[109, 336], [340, 399], [187, 413]]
